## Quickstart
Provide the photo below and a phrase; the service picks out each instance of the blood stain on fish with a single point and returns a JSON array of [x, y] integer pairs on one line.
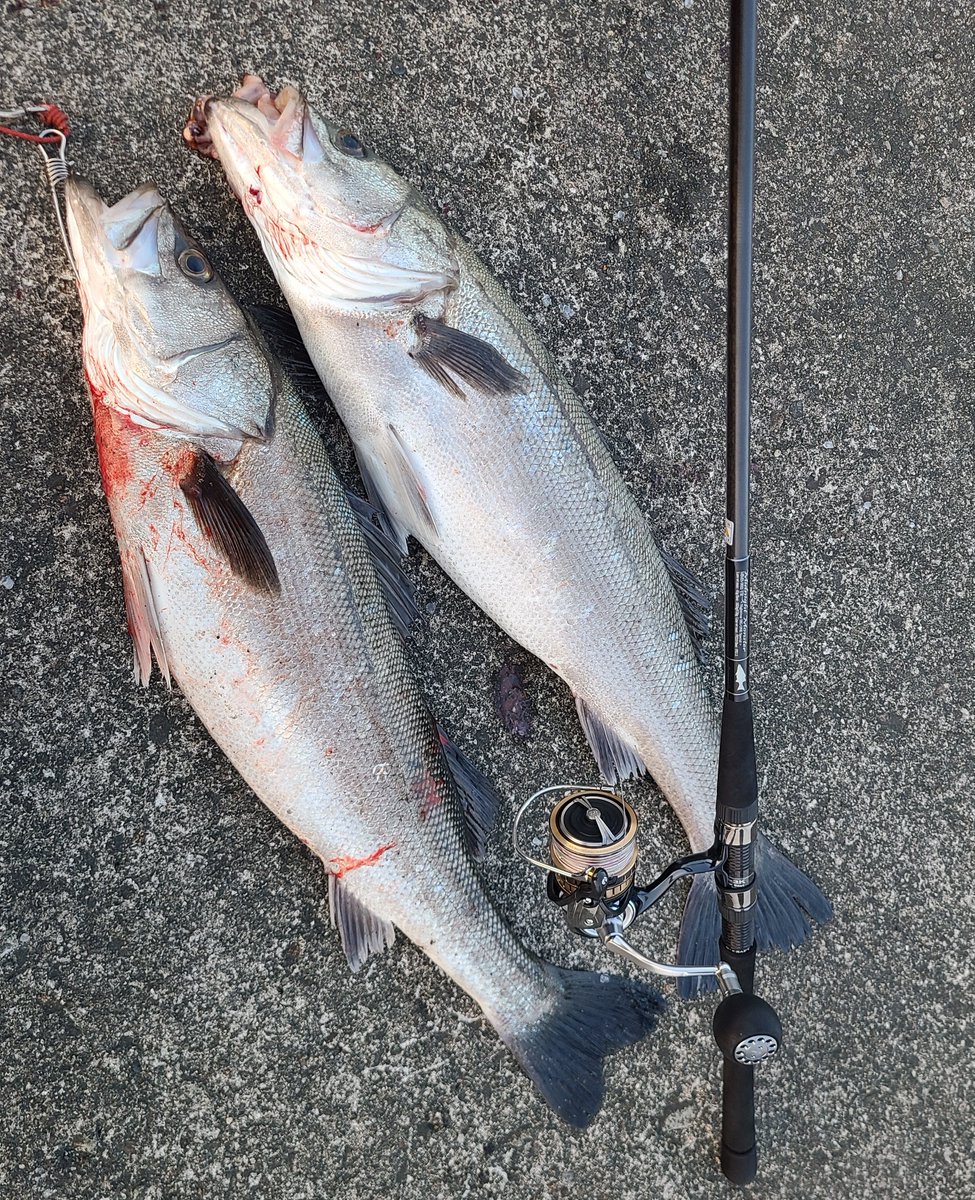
[[344, 864], [201, 561], [148, 489], [113, 456], [179, 462]]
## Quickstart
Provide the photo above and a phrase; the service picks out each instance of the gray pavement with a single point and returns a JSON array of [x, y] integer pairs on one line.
[[178, 1020]]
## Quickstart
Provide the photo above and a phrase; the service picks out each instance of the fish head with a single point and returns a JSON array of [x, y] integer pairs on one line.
[[329, 213], [164, 340]]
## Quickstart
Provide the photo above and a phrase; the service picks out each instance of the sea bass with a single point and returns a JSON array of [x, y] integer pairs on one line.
[[249, 577], [470, 440]]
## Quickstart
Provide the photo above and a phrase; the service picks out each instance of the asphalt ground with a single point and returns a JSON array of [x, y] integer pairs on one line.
[[178, 1019]]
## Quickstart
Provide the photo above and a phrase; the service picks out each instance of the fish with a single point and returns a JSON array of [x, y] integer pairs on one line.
[[253, 580], [470, 440]]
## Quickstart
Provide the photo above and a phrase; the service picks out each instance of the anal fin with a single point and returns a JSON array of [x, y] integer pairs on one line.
[[478, 796], [616, 758], [362, 932]]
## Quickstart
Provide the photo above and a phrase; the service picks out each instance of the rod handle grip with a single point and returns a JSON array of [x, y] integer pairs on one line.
[[737, 791], [739, 1155]]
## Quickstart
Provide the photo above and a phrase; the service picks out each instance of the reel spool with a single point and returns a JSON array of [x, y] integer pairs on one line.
[[592, 853], [590, 830]]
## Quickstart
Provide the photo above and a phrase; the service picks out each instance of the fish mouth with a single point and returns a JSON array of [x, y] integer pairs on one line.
[[280, 119], [264, 139], [108, 238]]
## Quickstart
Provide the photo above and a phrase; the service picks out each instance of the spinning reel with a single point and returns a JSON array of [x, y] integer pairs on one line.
[[591, 870]]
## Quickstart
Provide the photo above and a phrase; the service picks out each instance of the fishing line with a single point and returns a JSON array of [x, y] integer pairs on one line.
[[51, 116], [56, 166]]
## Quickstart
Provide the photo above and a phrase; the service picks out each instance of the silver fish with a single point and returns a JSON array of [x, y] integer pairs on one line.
[[249, 577], [471, 440]]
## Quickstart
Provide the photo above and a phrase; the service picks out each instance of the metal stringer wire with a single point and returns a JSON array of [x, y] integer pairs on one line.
[[58, 169]]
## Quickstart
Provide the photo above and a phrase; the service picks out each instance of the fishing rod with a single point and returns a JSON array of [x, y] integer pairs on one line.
[[736, 820], [592, 832]]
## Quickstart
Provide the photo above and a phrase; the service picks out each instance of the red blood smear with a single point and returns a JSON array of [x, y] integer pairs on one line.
[[112, 438], [344, 865], [181, 535], [427, 791], [179, 462]]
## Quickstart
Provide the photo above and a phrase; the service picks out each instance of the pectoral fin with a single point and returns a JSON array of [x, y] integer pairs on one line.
[[281, 330], [226, 522], [452, 357]]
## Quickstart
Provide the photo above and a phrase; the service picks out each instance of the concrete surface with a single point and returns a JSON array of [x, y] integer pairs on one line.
[[177, 1017]]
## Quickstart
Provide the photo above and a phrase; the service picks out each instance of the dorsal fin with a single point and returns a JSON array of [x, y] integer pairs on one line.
[[478, 796], [693, 601], [387, 559], [281, 331]]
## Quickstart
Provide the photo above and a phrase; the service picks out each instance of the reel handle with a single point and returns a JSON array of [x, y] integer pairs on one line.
[[747, 1031]]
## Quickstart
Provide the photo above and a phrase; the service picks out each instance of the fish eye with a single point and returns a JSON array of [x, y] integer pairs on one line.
[[195, 265], [349, 144]]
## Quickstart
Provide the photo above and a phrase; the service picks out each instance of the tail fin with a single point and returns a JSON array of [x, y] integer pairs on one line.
[[592, 1016], [789, 903]]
